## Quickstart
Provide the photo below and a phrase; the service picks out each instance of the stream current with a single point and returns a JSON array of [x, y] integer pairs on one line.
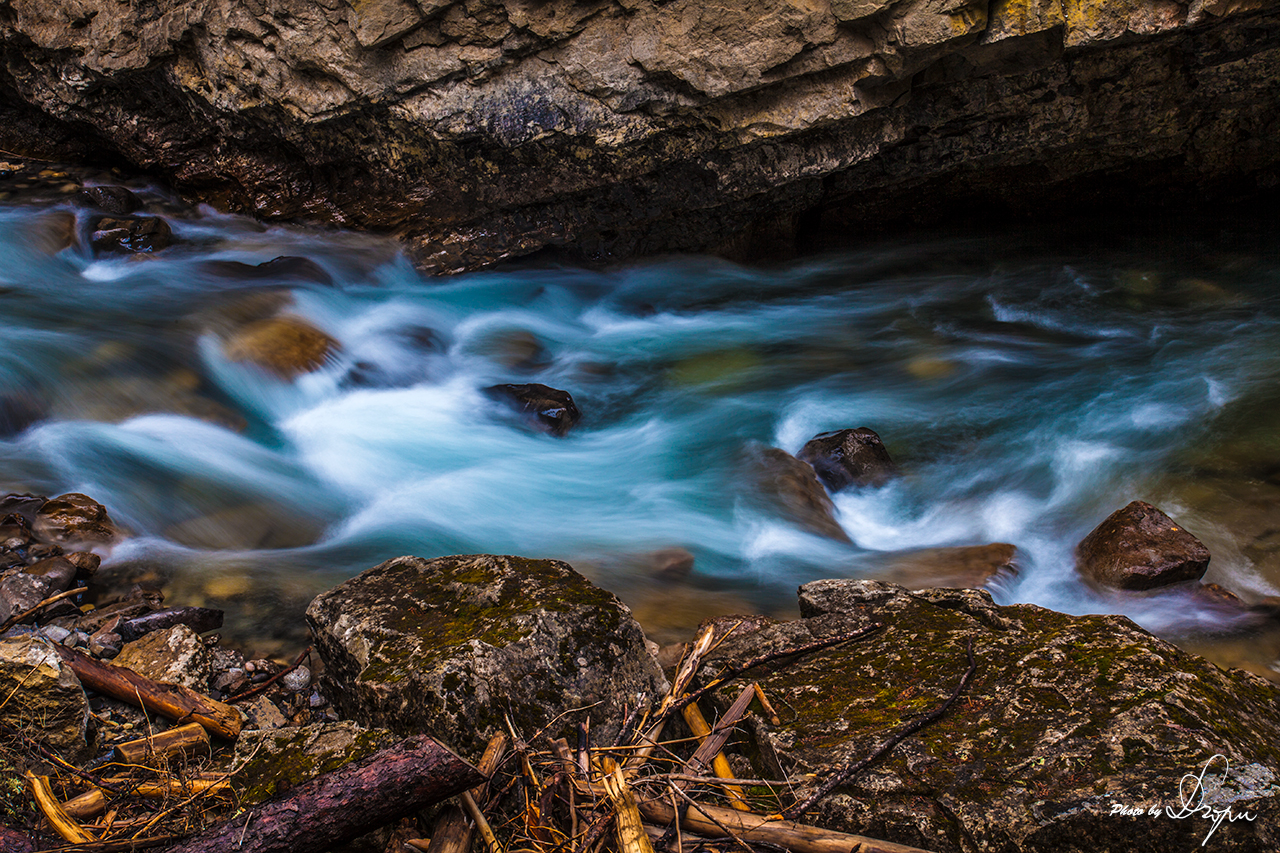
[[1026, 383]]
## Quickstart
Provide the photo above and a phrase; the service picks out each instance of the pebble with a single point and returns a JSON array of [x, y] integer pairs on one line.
[[296, 680], [57, 633]]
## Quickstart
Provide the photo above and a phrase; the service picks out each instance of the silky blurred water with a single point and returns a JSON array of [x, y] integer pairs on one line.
[[1027, 384]]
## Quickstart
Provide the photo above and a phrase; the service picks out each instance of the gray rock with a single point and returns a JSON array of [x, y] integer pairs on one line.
[[452, 645], [43, 697], [1066, 718], [296, 679], [174, 655], [1139, 547]]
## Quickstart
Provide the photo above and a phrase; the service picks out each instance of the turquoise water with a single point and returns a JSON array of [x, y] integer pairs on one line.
[[1027, 384]]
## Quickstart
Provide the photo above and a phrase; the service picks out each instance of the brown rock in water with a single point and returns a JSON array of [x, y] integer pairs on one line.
[[849, 457], [545, 408], [791, 488], [1139, 547], [74, 519], [134, 234], [968, 567], [285, 267], [286, 346]]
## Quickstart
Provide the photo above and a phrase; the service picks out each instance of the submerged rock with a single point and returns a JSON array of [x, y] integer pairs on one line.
[[849, 457], [966, 567], [452, 645], [285, 346], [119, 201], [1139, 547], [1066, 719], [545, 408], [791, 488]]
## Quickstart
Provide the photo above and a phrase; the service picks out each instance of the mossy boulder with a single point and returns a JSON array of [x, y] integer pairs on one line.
[[1067, 720], [450, 646]]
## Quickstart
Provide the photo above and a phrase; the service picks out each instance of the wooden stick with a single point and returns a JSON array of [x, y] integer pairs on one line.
[[797, 837], [699, 726], [171, 700], [61, 822], [191, 738], [768, 706], [684, 677], [345, 803], [720, 734], [89, 804], [162, 788], [630, 827], [453, 832]]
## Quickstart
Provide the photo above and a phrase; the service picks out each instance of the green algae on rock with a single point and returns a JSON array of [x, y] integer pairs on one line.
[[1067, 718], [450, 646]]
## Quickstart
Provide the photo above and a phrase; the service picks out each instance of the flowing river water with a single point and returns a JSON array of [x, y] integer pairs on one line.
[[1027, 383]]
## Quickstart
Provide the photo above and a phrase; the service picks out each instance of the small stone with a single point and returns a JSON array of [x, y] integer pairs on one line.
[[105, 645], [56, 633], [1139, 547], [296, 680]]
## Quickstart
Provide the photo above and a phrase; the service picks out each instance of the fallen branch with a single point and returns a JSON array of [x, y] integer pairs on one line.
[[842, 774], [345, 803], [718, 822], [453, 832], [171, 700], [61, 822]]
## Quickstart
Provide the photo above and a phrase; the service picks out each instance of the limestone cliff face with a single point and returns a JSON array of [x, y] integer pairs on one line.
[[486, 129]]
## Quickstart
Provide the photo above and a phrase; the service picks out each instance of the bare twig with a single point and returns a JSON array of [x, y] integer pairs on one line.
[[53, 599], [254, 691]]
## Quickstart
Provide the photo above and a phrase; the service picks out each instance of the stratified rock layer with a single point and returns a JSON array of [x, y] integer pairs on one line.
[[451, 646], [489, 129], [1066, 718]]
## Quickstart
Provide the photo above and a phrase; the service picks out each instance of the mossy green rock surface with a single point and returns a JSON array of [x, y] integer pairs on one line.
[[449, 646], [268, 763], [1066, 719]]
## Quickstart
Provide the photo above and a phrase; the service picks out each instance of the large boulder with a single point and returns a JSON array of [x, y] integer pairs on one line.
[[490, 129], [1067, 720], [1139, 547], [451, 646]]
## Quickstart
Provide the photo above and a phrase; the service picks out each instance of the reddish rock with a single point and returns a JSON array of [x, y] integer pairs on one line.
[[1139, 547], [849, 457]]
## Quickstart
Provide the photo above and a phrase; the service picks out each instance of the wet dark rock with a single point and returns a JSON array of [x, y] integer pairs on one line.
[[73, 519], [545, 408], [119, 201], [1065, 718], [849, 457], [791, 488], [283, 268], [132, 235], [198, 619], [1139, 547], [24, 505], [452, 645]]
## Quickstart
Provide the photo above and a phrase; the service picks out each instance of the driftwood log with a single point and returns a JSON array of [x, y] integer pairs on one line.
[[171, 700], [345, 803]]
